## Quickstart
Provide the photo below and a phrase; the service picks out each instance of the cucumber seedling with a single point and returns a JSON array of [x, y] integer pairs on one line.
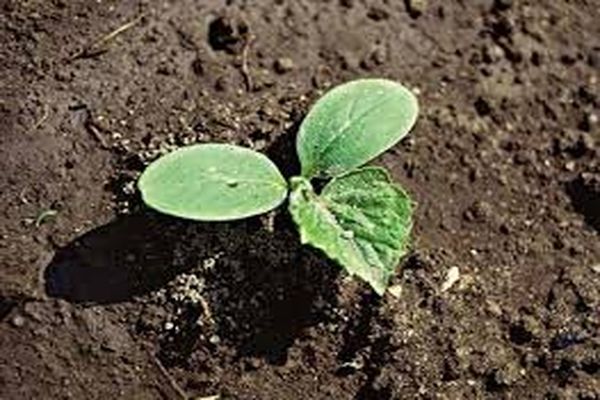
[[360, 219]]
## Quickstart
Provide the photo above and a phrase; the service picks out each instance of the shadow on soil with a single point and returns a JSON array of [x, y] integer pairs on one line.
[[263, 290], [584, 192], [113, 263]]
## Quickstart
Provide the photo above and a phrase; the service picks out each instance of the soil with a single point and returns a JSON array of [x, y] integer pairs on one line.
[[102, 298]]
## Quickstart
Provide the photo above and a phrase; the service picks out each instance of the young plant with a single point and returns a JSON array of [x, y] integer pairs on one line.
[[360, 219]]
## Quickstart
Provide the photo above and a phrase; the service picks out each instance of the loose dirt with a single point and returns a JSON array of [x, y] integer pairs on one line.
[[102, 298]]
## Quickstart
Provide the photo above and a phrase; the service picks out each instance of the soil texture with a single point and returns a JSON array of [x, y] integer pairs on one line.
[[101, 298]]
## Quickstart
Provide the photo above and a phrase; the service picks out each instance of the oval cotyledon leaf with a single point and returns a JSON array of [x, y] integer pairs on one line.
[[213, 182], [352, 124], [361, 219]]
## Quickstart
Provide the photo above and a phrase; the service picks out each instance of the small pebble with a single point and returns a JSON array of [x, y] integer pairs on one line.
[[169, 326], [395, 290], [493, 53], [570, 166], [452, 276], [416, 7], [283, 65], [18, 321], [494, 308], [209, 263]]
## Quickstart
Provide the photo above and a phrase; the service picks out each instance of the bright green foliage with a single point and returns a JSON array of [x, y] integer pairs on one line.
[[352, 124], [213, 182], [361, 220]]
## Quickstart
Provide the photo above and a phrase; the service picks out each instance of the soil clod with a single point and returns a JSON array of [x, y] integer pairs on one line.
[[228, 33]]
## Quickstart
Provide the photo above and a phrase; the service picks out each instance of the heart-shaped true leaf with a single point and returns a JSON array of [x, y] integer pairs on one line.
[[213, 182], [361, 220], [352, 124]]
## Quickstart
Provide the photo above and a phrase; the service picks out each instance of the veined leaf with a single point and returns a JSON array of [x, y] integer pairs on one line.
[[352, 124], [213, 182], [361, 220]]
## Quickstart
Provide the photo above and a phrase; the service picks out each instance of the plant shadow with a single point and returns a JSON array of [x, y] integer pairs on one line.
[[113, 263], [263, 290]]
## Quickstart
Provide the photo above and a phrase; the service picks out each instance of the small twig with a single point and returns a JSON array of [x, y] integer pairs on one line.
[[206, 308], [96, 133], [23, 198], [244, 69], [99, 46], [169, 378], [224, 124], [42, 119]]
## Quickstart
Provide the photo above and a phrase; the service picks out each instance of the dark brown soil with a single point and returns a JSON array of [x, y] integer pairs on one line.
[[101, 298]]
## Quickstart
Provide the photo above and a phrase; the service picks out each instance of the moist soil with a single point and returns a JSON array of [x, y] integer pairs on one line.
[[101, 298]]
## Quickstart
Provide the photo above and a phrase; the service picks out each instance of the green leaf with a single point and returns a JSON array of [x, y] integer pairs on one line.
[[213, 182], [361, 220], [352, 124]]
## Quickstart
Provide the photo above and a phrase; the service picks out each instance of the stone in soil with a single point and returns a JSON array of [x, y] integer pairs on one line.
[[416, 8]]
